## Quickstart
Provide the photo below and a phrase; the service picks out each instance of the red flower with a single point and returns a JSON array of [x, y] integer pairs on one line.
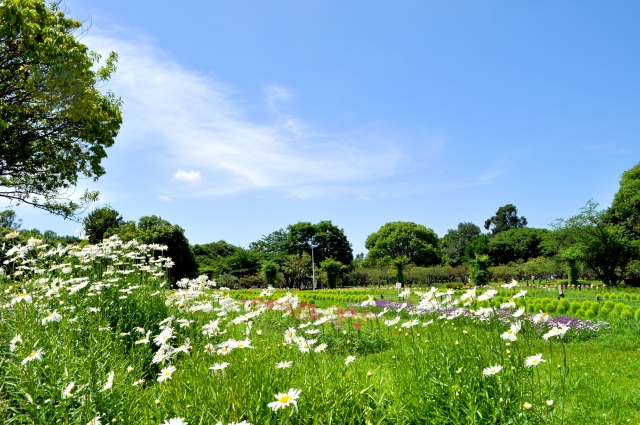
[[340, 311], [357, 325]]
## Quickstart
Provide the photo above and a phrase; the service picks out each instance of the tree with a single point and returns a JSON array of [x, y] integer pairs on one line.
[[606, 248], [55, 122], [8, 220], [404, 239], [455, 242], [398, 265], [218, 258], [270, 272], [98, 221], [571, 256], [478, 246], [328, 241], [296, 270], [625, 209], [516, 244], [506, 218], [153, 229], [480, 270], [332, 269]]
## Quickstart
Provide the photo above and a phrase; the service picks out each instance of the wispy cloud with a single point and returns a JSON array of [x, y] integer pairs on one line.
[[608, 148], [192, 122], [187, 176]]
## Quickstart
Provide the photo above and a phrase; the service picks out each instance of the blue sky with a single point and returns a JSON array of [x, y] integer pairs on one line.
[[243, 117]]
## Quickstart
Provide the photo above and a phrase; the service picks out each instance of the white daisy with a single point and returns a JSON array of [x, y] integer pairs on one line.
[[285, 399], [492, 370], [534, 360], [166, 373], [35, 355]]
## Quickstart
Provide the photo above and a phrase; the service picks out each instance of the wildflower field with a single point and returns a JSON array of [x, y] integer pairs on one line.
[[93, 334]]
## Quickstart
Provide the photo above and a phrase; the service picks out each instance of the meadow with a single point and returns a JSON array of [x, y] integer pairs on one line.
[[92, 334]]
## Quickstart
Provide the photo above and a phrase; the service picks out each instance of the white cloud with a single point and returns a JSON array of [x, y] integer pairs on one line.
[[190, 121], [187, 176], [164, 198]]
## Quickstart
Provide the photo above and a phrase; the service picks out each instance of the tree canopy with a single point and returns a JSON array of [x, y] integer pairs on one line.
[[329, 241], [455, 242], [153, 229], [98, 221], [605, 248], [55, 122], [404, 239], [506, 218], [625, 209], [516, 244], [8, 220]]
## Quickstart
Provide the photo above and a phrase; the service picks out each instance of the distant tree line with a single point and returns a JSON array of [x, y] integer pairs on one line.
[[597, 244]]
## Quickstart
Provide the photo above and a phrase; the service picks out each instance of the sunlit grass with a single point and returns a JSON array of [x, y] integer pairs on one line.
[[423, 364]]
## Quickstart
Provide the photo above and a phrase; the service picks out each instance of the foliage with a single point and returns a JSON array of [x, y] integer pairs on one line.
[[409, 364], [328, 241], [541, 268], [55, 122], [155, 230], [98, 221], [8, 220], [404, 239], [480, 270], [270, 272], [220, 257], [506, 218], [478, 246], [297, 271], [504, 273], [516, 244], [455, 242], [436, 274], [625, 208], [571, 255], [606, 248], [398, 264], [333, 269]]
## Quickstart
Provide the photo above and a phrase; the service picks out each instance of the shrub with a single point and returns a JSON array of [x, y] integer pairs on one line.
[[561, 309], [619, 307], [588, 314], [604, 312], [575, 306], [637, 315], [595, 306], [626, 296], [627, 313], [606, 296]]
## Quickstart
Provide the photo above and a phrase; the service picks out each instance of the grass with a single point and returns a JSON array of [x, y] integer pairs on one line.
[[428, 373]]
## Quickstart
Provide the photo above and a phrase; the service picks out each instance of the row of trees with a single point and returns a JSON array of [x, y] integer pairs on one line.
[[594, 244], [603, 244]]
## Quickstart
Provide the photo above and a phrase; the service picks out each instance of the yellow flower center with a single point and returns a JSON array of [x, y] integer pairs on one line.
[[32, 354], [285, 399]]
